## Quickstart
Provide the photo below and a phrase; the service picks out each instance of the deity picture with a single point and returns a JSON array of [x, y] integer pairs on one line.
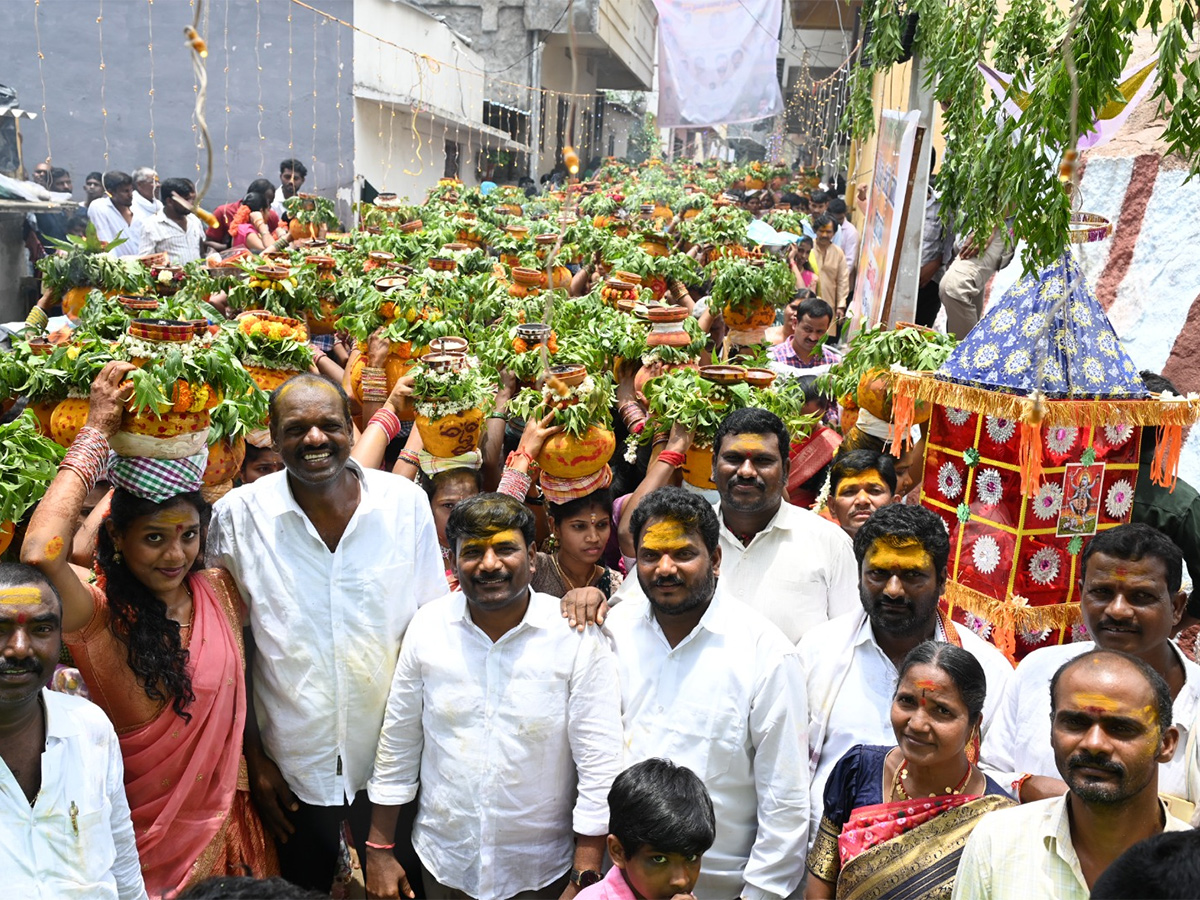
[[1080, 508]]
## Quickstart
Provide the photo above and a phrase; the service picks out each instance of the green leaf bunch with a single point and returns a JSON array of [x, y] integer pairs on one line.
[[28, 463]]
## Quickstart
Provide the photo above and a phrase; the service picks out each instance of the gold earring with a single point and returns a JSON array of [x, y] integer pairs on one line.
[[117, 558]]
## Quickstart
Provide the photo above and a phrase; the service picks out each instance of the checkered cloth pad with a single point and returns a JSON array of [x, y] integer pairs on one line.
[[157, 479], [432, 465], [562, 490]]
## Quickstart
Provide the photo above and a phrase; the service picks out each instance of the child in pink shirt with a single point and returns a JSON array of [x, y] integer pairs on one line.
[[660, 823]]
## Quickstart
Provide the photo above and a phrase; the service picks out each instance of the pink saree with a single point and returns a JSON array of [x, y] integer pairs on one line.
[[181, 777]]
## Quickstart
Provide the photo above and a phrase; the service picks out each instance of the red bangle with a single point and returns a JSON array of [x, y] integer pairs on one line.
[[388, 421], [519, 452], [672, 458], [1016, 786], [374, 846]]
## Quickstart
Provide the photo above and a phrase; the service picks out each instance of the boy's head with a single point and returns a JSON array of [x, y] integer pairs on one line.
[[660, 822]]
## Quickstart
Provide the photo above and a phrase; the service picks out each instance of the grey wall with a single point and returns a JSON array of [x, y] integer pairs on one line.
[[71, 43]]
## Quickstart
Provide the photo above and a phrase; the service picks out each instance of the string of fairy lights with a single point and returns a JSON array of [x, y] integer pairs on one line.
[[485, 119]]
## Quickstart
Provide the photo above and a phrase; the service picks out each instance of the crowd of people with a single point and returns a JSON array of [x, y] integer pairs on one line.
[[490, 682]]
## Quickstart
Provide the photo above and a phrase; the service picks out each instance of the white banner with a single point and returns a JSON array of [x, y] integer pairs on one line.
[[716, 61]]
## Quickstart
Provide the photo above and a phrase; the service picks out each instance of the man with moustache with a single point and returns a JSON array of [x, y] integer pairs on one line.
[[787, 563], [860, 482], [332, 562], [711, 685], [1110, 731], [508, 724], [852, 662], [1131, 601], [65, 830]]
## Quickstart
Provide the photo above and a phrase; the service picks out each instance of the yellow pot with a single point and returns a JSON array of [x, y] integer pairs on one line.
[[451, 435], [698, 466]]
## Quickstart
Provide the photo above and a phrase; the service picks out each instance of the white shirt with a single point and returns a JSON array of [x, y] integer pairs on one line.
[[327, 626], [109, 223], [45, 854], [515, 745], [161, 235], [799, 571], [846, 238], [850, 686], [277, 203], [143, 208], [728, 702], [1019, 739]]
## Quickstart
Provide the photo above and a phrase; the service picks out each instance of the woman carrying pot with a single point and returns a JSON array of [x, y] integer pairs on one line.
[[157, 639]]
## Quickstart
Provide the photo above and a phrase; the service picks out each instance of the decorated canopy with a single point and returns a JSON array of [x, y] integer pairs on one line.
[[1033, 446]]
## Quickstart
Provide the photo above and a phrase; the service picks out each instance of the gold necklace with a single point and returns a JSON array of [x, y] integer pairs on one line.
[[902, 775], [562, 573]]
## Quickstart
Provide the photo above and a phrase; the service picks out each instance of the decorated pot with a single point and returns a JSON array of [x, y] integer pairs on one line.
[[760, 315], [268, 379], [451, 435], [527, 277], [760, 378], [67, 418], [564, 456], [875, 393], [697, 467], [224, 461], [7, 529], [43, 410], [723, 374]]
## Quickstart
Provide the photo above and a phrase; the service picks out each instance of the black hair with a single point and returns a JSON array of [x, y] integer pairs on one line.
[[822, 220], [139, 619], [260, 186], [814, 308], [115, 180], [962, 667], [56, 173], [898, 522], [77, 224], [431, 483], [15, 574], [1163, 867], [184, 187], [812, 391], [601, 499], [97, 176], [483, 515], [226, 887], [1157, 383], [301, 380], [837, 207], [819, 197], [791, 199], [253, 452], [752, 420], [691, 511], [293, 165], [1133, 542], [255, 201], [1158, 684], [660, 805], [855, 462]]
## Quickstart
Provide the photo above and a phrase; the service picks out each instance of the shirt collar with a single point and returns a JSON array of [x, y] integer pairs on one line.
[[1055, 830], [280, 499], [542, 611], [783, 519], [59, 724], [715, 619], [866, 632]]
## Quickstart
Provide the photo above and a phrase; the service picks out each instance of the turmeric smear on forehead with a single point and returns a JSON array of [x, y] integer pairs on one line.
[[507, 536], [665, 535], [852, 484], [19, 596], [898, 553]]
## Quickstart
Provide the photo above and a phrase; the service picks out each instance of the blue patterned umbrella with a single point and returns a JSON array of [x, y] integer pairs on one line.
[[1034, 338]]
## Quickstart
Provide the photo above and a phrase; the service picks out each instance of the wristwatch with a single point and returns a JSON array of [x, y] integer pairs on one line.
[[585, 878]]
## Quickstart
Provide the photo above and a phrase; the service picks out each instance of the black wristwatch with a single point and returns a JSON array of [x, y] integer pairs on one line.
[[585, 878]]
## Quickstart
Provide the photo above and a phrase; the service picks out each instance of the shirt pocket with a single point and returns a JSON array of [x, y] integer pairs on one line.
[[536, 710], [83, 843], [709, 737]]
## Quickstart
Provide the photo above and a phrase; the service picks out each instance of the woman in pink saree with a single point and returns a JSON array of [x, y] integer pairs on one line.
[[158, 643]]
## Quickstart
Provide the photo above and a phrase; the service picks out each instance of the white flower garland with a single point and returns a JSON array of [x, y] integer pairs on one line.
[[989, 487], [1044, 566], [1119, 498], [440, 409], [985, 553], [1000, 430], [949, 481], [1048, 500], [136, 347], [581, 393]]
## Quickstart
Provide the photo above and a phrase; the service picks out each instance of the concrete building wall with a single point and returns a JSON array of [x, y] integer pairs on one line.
[[142, 44]]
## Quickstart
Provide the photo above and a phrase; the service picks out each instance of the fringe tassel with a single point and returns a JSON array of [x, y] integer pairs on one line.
[[1164, 471], [1013, 612], [1031, 458], [900, 428]]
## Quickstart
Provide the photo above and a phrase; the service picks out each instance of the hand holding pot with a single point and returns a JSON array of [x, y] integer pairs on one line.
[[110, 393], [378, 348], [400, 399], [535, 436]]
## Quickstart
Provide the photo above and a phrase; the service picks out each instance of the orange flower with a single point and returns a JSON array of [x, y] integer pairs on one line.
[[519, 346]]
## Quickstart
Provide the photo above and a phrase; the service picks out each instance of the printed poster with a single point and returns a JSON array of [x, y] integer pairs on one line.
[[1080, 509]]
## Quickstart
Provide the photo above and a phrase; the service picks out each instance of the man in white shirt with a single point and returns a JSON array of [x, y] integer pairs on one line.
[[715, 687], [1131, 601], [1110, 732], [846, 236], [145, 190], [787, 563], [852, 661], [173, 230], [332, 562], [292, 173], [65, 830], [113, 215], [508, 721]]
